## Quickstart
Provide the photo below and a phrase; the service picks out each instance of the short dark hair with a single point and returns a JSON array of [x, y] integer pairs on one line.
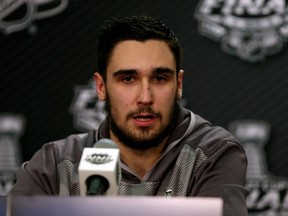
[[139, 28]]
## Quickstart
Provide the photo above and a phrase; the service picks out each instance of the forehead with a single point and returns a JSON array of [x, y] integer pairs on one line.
[[133, 54]]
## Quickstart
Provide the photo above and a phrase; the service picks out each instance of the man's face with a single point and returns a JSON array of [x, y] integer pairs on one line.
[[141, 91]]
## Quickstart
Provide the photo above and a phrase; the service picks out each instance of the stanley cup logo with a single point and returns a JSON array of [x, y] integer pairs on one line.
[[253, 135], [268, 194], [11, 128]]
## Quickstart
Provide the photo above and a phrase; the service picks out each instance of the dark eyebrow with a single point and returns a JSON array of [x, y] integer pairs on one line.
[[163, 70], [158, 70], [124, 72]]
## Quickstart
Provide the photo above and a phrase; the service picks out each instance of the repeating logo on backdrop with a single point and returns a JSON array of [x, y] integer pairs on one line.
[[268, 194], [16, 15], [249, 29], [87, 109], [12, 126]]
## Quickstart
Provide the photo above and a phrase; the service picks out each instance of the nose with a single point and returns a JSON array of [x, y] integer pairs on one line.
[[145, 94]]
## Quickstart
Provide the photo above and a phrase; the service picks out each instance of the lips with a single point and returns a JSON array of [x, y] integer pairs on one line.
[[144, 120], [144, 117]]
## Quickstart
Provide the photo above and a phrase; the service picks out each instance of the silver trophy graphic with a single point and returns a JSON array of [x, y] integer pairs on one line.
[[253, 136], [11, 129]]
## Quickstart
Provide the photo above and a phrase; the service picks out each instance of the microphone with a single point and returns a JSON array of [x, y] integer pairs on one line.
[[99, 170]]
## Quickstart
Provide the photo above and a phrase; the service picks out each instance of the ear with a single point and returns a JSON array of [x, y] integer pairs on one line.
[[100, 86], [180, 84]]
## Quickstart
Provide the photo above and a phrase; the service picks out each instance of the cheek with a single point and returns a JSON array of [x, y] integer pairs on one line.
[[168, 95], [167, 99], [119, 103]]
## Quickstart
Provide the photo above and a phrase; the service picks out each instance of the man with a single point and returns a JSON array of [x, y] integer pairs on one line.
[[165, 149]]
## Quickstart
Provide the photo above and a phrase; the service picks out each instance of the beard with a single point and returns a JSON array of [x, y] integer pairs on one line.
[[147, 139]]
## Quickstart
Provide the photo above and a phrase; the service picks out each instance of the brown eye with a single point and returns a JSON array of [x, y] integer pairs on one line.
[[128, 79], [160, 79]]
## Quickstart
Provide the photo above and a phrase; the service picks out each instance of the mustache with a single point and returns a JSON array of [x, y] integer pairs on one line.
[[146, 110]]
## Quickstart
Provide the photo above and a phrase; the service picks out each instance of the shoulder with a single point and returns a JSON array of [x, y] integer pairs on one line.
[[211, 139], [214, 148], [69, 148]]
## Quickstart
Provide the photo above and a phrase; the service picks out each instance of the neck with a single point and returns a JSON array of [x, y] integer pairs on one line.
[[140, 161]]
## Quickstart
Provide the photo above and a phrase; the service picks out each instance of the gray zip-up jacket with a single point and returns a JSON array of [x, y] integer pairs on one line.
[[199, 160]]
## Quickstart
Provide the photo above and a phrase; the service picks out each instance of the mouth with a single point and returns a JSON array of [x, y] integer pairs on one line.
[[144, 119]]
